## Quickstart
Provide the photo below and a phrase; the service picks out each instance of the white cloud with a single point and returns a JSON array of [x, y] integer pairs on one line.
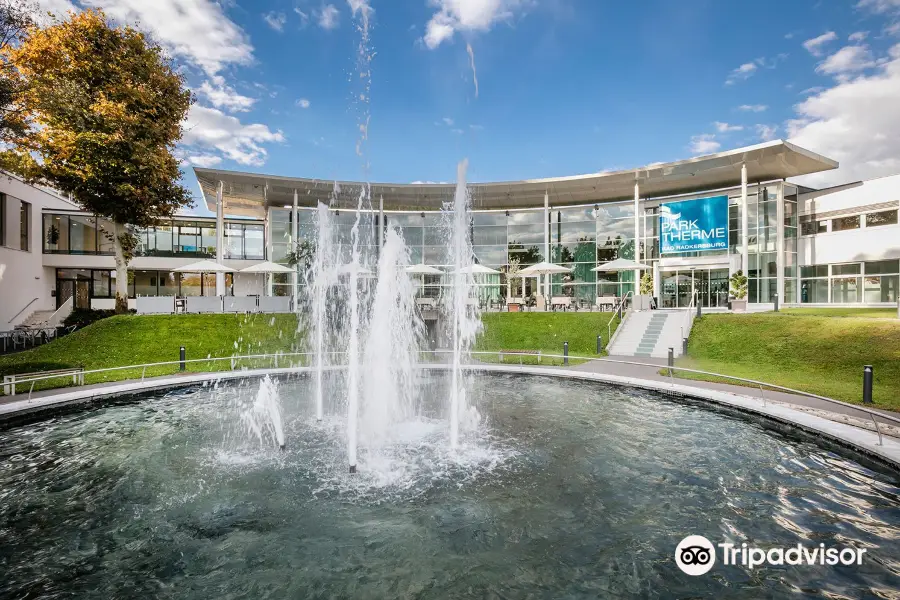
[[328, 17], [892, 29], [224, 96], [725, 127], [275, 20], [757, 108], [197, 31], [815, 44], [849, 59], [859, 36], [476, 127], [766, 132], [457, 131], [304, 17], [704, 144], [210, 129], [303, 103], [741, 73], [813, 90], [853, 122], [59, 8], [205, 161], [880, 6], [468, 16], [448, 121]]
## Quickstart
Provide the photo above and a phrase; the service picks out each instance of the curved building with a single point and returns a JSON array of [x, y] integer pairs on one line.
[[688, 220]]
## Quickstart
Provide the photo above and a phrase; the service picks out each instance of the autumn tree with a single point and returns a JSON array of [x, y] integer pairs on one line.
[[104, 107], [15, 19]]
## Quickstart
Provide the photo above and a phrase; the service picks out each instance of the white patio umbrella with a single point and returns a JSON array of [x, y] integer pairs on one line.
[[267, 267], [620, 264], [476, 269], [204, 266], [544, 268], [423, 270]]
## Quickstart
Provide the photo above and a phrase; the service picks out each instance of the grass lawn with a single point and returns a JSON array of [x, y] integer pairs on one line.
[[815, 353], [544, 331], [866, 313], [130, 339]]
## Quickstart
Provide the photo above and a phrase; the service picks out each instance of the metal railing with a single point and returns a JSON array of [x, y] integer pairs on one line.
[[874, 415], [23, 310], [617, 312], [752, 383], [689, 315]]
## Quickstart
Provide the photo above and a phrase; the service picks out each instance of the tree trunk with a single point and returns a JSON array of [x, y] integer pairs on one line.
[[121, 270]]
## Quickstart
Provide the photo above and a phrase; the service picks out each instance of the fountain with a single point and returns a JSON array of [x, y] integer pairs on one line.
[[262, 419]]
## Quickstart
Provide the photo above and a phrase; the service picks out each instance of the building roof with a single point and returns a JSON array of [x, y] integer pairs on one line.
[[246, 194]]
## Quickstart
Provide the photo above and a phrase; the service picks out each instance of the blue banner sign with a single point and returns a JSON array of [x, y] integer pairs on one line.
[[693, 225]]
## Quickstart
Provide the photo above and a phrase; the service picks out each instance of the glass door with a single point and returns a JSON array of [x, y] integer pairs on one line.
[[718, 288], [79, 289], [669, 289]]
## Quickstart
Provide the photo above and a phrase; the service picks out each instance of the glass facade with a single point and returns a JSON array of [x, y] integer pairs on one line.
[[85, 234], [579, 237], [101, 283], [871, 282]]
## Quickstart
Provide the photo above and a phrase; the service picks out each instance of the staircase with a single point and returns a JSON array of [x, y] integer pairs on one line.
[[36, 319], [651, 333]]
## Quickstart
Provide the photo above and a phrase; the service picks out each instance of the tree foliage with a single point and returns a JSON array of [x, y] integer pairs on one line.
[[15, 19], [104, 107]]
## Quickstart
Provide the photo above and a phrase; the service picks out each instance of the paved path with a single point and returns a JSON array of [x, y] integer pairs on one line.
[[804, 402]]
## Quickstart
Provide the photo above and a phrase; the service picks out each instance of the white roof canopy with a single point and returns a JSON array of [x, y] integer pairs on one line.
[[249, 194]]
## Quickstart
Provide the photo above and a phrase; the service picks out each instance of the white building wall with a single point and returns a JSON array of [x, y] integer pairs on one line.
[[855, 245], [24, 276]]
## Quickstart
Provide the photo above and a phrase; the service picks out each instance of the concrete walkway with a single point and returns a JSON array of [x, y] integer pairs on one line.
[[836, 412]]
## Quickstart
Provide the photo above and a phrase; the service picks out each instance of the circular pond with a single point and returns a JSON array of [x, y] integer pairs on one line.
[[565, 489]]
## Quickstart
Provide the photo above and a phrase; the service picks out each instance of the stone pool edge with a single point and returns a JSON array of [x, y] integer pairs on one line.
[[861, 440]]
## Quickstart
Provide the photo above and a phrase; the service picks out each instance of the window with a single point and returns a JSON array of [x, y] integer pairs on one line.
[[82, 235], [845, 223], [24, 225], [848, 269], [813, 291], [887, 217], [814, 271], [883, 267], [813, 227], [103, 287], [881, 289], [846, 290]]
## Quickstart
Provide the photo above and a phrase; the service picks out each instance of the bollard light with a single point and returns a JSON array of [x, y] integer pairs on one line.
[[181, 357], [565, 353], [776, 301], [868, 373], [599, 344]]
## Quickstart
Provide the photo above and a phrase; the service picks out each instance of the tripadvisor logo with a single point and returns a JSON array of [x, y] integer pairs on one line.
[[696, 555]]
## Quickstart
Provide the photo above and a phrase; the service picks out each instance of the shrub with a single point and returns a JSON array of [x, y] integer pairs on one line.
[[82, 317]]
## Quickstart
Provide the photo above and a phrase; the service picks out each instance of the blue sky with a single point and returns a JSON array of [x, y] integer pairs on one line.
[[564, 86]]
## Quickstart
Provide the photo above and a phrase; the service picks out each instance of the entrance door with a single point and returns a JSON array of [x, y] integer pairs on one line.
[[718, 287], [77, 288]]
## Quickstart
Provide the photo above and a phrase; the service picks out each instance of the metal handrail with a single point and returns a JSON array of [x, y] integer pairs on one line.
[[23, 310], [689, 315], [755, 383], [617, 311], [170, 362]]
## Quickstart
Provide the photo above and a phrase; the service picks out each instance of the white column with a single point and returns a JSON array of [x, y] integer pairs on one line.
[[745, 225], [220, 237], [268, 233], [546, 242], [381, 226], [295, 279], [779, 243], [637, 236]]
